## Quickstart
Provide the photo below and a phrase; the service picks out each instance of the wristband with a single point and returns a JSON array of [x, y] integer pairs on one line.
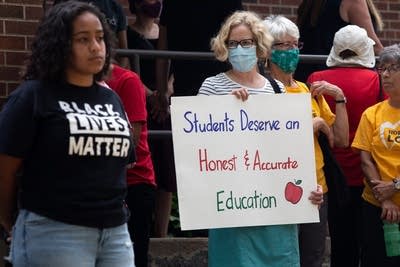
[[339, 101], [396, 183]]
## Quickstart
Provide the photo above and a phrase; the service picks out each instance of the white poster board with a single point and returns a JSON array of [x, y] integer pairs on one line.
[[244, 163]]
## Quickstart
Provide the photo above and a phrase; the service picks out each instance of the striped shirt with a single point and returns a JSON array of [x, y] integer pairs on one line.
[[221, 84]]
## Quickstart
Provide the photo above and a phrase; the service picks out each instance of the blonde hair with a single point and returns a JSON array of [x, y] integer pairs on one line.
[[261, 36]]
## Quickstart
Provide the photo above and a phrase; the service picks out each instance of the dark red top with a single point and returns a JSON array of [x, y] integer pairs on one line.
[[361, 88], [129, 87]]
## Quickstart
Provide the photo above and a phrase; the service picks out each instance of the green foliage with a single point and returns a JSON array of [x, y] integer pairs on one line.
[[174, 221]]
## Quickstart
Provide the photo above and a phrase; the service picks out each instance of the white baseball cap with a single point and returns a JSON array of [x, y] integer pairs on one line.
[[354, 38]]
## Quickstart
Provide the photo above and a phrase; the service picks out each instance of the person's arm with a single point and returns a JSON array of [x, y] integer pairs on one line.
[[8, 187], [132, 93], [317, 196], [369, 169], [137, 129], [149, 92], [356, 12], [341, 125], [241, 94], [160, 109], [320, 125], [383, 190]]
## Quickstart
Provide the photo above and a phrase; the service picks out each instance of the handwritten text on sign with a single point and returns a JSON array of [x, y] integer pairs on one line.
[[243, 163]]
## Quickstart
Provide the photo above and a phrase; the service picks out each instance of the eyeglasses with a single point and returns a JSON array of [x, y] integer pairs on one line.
[[390, 69], [289, 45], [245, 43]]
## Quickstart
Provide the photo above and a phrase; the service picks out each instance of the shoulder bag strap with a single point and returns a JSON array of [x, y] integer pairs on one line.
[[272, 81], [274, 84]]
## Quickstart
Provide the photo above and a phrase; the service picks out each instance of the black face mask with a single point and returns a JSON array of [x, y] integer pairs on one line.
[[152, 10]]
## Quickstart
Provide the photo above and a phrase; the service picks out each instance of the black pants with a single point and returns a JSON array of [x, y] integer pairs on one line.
[[140, 200], [345, 226], [312, 238], [373, 242]]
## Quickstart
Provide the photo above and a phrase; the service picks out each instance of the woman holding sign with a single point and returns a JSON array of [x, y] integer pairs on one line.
[[243, 40], [283, 63]]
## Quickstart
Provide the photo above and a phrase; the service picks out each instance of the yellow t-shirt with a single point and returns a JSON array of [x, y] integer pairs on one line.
[[319, 109], [379, 134]]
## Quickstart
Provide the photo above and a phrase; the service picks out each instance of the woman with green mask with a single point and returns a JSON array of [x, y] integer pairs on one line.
[[282, 64]]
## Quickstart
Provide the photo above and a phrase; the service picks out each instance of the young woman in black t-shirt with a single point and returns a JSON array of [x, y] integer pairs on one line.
[[70, 136]]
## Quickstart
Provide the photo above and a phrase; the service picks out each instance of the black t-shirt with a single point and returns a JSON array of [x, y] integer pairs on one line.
[[190, 27], [147, 65], [318, 39], [76, 144]]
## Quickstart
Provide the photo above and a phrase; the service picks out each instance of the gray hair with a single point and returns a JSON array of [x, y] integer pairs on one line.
[[279, 26], [390, 54]]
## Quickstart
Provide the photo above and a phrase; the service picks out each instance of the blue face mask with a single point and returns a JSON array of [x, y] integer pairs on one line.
[[243, 59], [286, 60]]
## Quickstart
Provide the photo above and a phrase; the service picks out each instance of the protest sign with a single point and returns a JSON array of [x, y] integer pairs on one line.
[[244, 163]]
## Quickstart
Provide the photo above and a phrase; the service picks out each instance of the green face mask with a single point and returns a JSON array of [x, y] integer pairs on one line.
[[287, 60]]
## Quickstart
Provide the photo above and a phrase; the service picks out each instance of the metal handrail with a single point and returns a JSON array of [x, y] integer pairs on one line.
[[165, 54], [159, 134], [189, 55], [197, 55], [186, 55]]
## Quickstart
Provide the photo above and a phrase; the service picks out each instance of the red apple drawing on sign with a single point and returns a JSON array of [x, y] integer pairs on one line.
[[293, 192]]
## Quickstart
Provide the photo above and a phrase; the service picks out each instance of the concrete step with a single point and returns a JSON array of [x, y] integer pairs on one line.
[[189, 252], [178, 252]]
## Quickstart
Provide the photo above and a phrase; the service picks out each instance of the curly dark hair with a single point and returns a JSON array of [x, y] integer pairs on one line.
[[51, 47]]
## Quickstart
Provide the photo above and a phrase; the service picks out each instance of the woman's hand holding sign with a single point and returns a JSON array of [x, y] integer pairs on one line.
[[241, 93]]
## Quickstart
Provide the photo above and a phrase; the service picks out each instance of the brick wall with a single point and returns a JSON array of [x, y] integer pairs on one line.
[[18, 21]]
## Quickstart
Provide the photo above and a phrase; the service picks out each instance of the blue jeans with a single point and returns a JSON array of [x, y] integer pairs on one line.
[[40, 241]]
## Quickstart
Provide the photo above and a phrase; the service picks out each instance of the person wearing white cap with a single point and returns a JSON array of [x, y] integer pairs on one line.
[[360, 48], [282, 64], [319, 20], [378, 140], [350, 63]]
